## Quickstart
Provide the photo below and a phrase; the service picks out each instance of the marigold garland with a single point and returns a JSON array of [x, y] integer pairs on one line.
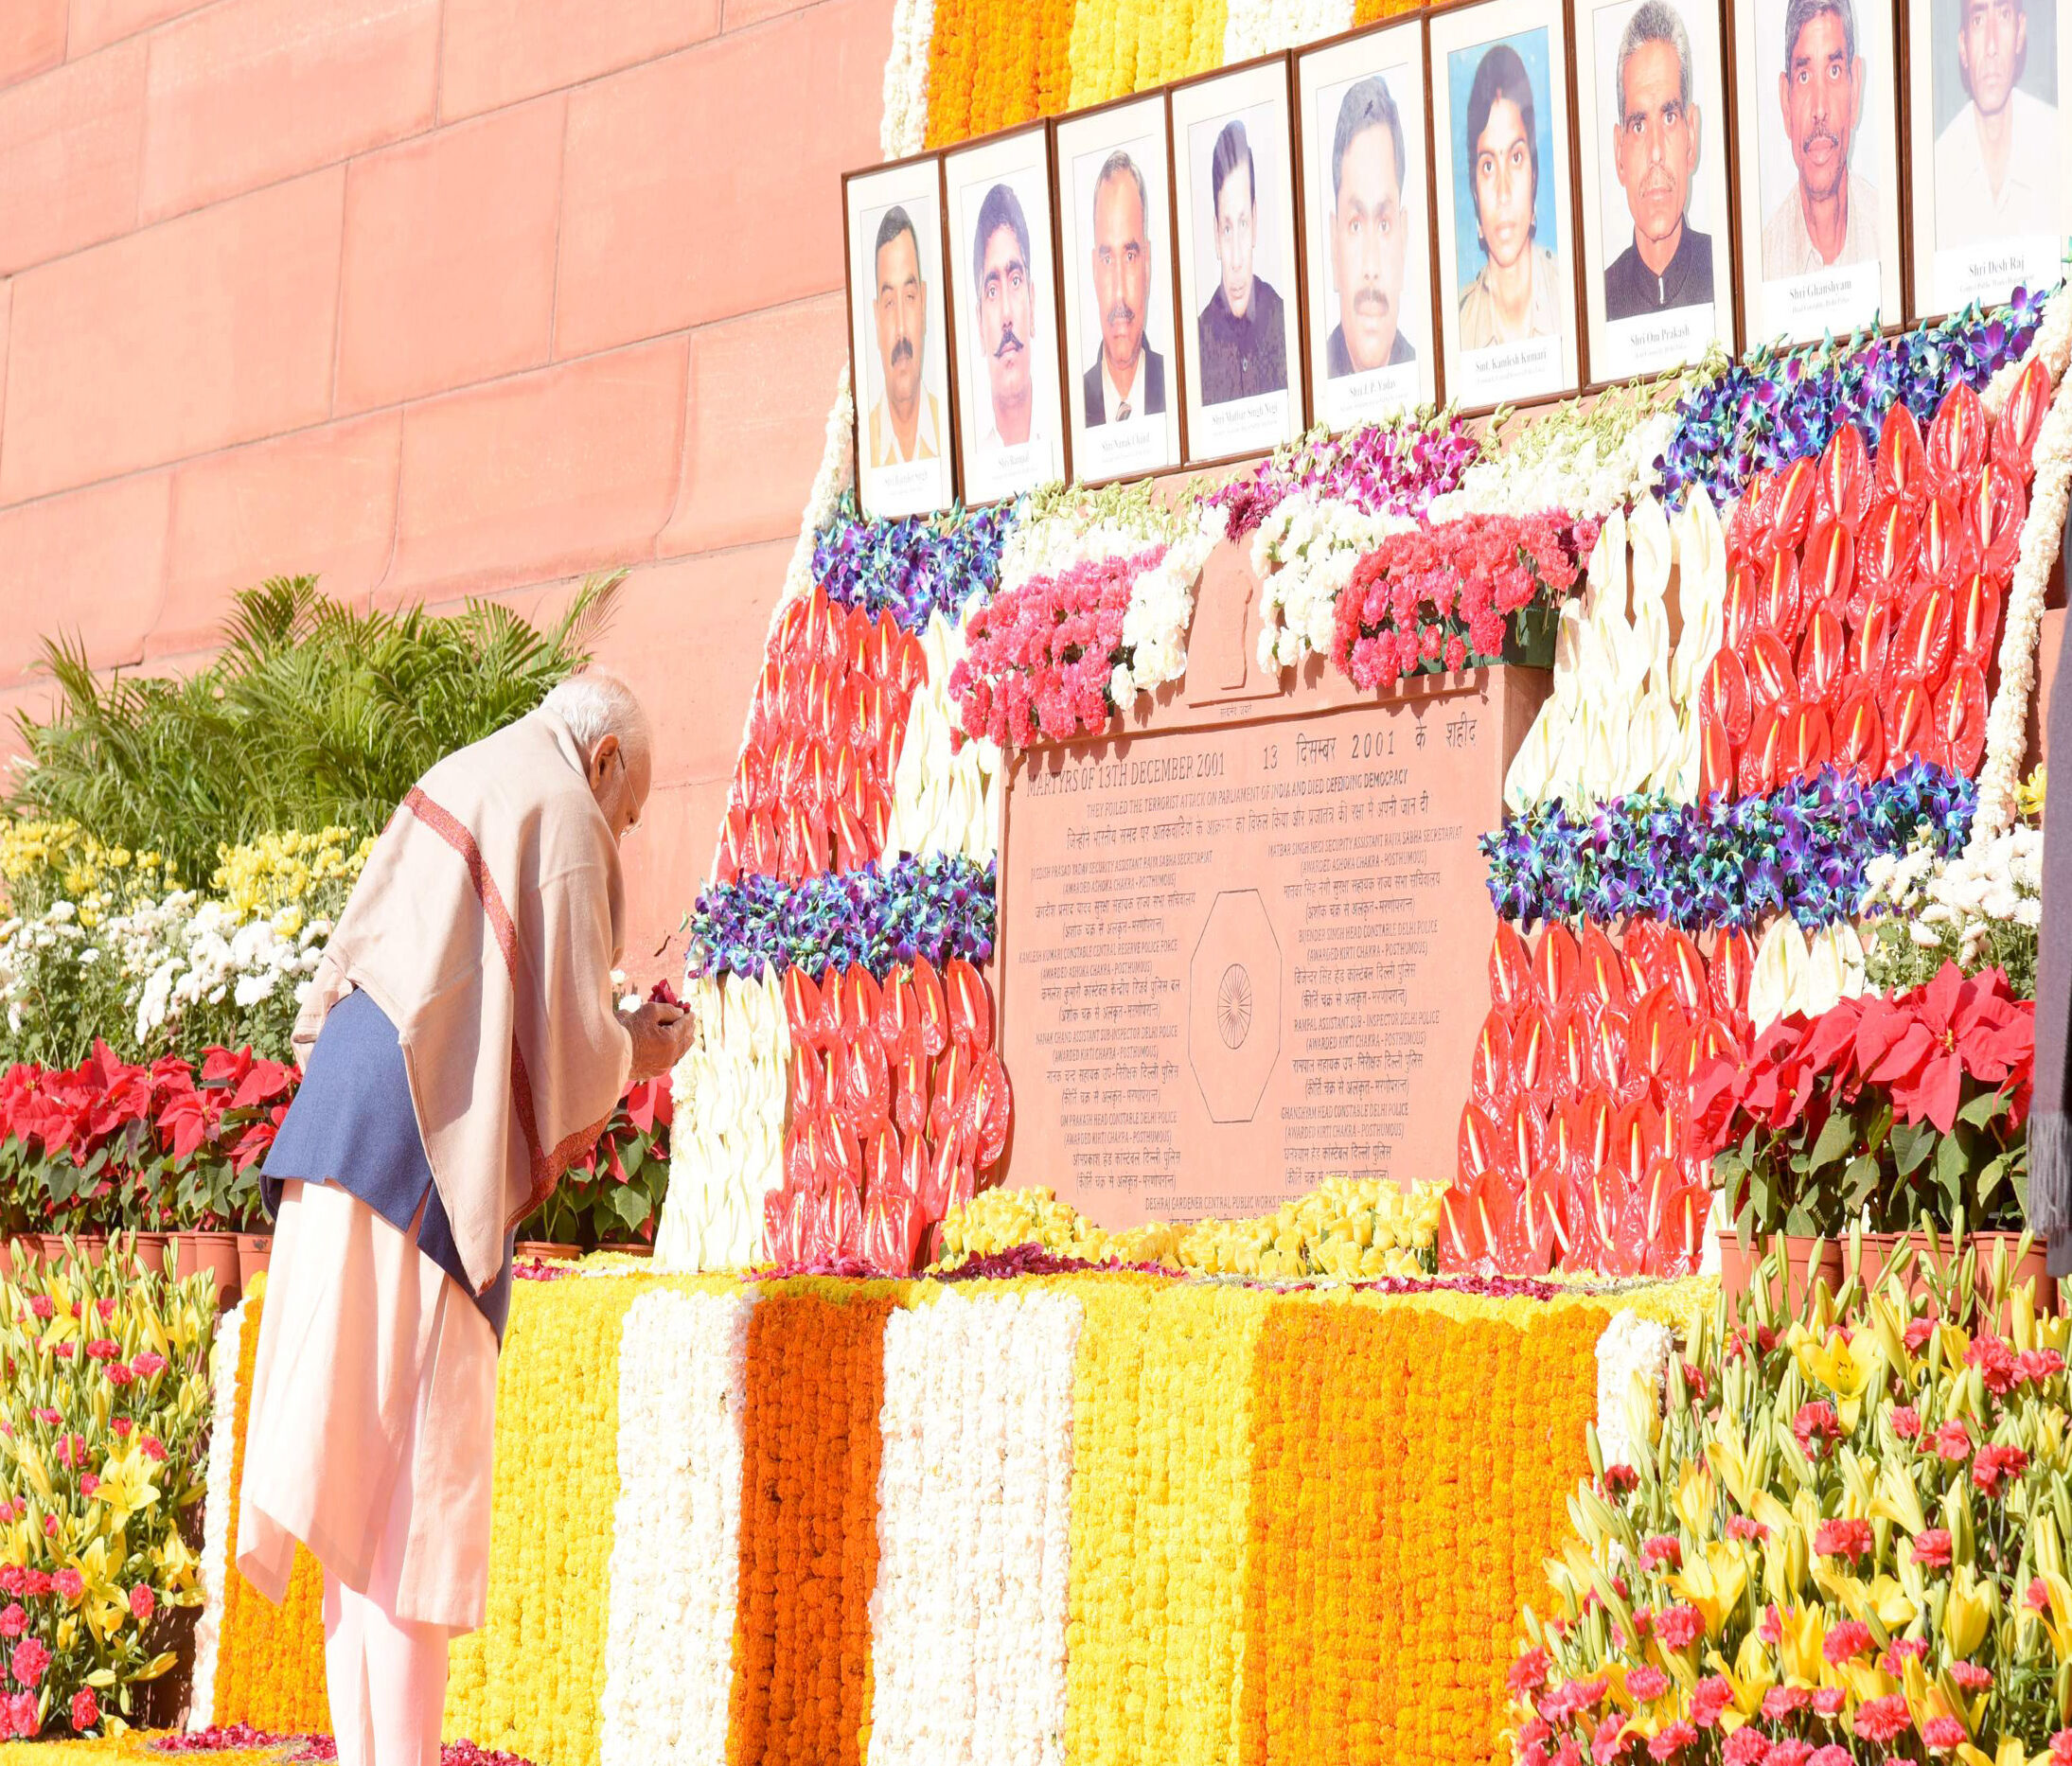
[[952, 58], [269, 1659], [809, 1551], [532, 1679]]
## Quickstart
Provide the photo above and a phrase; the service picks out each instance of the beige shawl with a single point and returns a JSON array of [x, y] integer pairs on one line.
[[486, 925]]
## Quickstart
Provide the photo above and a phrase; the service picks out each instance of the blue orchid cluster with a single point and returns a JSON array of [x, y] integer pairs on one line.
[[915, 567], [1773, 406], [938, 907], [1800, 850]]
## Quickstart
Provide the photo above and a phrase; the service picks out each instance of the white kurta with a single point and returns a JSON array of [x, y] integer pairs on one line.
[[372, 1417]]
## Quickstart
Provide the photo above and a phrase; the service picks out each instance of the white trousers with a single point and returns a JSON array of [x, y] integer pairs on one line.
[[386, 1678]]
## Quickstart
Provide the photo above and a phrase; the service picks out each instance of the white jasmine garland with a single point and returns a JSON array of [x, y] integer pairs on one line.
[[726, 1135], [1632, 1362], [2006, 724], [215, 1497], [1162, 604], [974, 1525], [677, 1532]]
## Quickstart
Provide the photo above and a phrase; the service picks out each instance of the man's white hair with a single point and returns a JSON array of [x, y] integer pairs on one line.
[[595, 703]]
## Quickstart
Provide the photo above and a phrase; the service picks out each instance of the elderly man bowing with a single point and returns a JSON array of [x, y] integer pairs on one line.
[[461, 1047]]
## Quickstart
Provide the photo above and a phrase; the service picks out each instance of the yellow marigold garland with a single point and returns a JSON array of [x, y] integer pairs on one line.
[[1391, 1448], [1055, 21], [1161, 1474], [809, 1556], [952, 67], [531, 1681], [270, 1660]]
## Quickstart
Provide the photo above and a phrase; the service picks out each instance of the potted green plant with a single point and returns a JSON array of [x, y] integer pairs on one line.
[[611, 1198], [1895, 1116]]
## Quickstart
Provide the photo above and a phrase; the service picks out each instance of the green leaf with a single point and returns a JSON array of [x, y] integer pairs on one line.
[[1985, 1107], [632, 1204], [1837, 1135], [1912, 1142]]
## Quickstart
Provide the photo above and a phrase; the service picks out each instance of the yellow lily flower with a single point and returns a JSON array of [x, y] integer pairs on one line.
[[1804, 1630], [1713, 1583], [1967, 1612], [1847, 1369]]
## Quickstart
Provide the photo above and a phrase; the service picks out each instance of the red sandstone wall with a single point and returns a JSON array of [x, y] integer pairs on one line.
[[435, 298]]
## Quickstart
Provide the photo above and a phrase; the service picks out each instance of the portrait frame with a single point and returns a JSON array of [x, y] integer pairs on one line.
[[1018, 159], [1989, 266], [1080, 144], [1397, 52], [900, 488], [1802, 305], [1626, 340], [1256, 95], [1485, 371]]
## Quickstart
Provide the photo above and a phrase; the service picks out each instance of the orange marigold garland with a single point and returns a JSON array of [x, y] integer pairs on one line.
[[808, 1554], [1373, 11], [270, 1660], [952, 56], [1425, 1454], [1055, 22]]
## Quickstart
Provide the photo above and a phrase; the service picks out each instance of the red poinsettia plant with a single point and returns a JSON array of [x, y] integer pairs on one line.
[[110, 1144], [1890, 1108], [1042, 655], [612, 1195], [1444, 596]]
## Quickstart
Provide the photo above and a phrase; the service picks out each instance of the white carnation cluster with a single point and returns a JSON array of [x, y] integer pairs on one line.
[[1161, 608], [1304, 553], [903, 128], [726, 1138], [946, 790], [1624, 715]]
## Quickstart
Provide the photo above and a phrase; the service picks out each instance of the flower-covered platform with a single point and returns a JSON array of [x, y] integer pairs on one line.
[[1079, 1515]]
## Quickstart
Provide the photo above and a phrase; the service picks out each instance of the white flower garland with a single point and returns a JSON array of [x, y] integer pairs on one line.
[[726, 1138], [2006, 724], [677, 1532], [903, 128], [1960, 899], [1304, 553], [222, 1448], [1162, 609], [1267, 26], [974, 1527], [1632, 1361]]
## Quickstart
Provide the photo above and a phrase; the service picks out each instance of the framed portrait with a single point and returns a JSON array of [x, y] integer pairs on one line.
[[1367, 210], [1233, 200], [1115, 250], [1506, 207], [899, 338], [1992, 152], [1003, 316], [1815, 96], [1652, 141]]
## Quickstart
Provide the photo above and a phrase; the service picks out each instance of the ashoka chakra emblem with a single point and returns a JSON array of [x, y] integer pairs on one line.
[[1234, 1005]]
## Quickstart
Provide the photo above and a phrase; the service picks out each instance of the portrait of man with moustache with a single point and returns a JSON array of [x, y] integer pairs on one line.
[[1830, 215], [1003, 297], [1242, 331], [906, 422], [1127, 379], [1655, 143], [1370, 224]]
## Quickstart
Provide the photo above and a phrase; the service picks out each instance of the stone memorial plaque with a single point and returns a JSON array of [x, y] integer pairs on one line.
[[1242, 947]]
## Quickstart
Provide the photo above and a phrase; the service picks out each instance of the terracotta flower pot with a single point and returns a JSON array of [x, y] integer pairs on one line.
[[629, 1250], [1807, 1259], [255, 1251], [148, 1247], [91, 1245], [528, 1249], [1881, 1247], [216, 1252]]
